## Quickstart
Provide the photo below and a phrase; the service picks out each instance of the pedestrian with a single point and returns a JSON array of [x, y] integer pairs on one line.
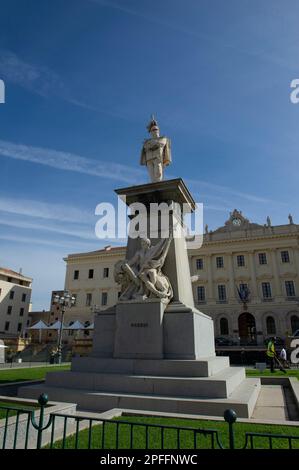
[[271, 353], [283, 357]]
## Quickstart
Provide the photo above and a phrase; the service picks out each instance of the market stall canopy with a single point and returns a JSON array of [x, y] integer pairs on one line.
[[56, 326], [40, 325], [77, 325]]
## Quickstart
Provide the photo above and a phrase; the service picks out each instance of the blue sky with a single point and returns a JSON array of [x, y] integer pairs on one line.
[[82, 78]]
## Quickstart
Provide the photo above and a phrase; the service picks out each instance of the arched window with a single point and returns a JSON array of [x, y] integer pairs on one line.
[[223, 326], [271, 327], [294, 323]]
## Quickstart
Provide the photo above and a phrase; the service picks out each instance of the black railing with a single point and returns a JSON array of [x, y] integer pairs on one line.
[[21, 429]]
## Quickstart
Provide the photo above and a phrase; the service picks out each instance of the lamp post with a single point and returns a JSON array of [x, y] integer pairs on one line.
[[66, 300]]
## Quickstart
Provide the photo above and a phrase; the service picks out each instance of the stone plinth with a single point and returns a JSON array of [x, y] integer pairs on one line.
[[139, 329]]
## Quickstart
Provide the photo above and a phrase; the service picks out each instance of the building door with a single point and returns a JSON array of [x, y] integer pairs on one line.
[[247, 329]]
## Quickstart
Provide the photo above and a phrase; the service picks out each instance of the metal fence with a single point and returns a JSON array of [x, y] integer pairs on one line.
[[39, 428]]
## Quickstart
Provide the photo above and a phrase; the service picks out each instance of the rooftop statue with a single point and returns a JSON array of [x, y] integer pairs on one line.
[[155, 152]]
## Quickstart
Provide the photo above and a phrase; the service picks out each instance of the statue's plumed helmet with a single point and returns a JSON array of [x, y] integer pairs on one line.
[[152, 125]]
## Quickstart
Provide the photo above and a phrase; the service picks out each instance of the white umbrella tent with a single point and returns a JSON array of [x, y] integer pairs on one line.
[[40, 325]]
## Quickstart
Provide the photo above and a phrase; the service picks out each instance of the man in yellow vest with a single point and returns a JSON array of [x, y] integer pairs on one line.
[[271, 352]]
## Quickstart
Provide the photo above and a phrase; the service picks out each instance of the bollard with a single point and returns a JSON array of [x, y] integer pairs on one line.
[[230, 417]]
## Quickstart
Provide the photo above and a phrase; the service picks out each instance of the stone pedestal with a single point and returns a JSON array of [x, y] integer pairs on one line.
[[139, 329]]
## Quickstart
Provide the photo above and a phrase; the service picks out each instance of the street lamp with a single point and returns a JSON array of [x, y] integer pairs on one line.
[[66, 300]]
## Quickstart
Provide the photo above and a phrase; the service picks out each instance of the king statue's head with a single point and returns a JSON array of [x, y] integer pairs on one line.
[[153, 127]]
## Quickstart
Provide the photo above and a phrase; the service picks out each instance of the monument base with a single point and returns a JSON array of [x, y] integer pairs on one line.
[[141, 330], [206, 387]]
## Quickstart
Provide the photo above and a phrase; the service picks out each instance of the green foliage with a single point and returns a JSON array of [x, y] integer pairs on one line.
[[30, 373], [276, 373]]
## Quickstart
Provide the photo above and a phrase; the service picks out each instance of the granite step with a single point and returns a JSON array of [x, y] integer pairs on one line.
[[220, 385], [242, 400], [205, 367]]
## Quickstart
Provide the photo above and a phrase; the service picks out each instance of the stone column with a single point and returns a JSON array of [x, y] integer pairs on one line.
[[259, 327], [253, 286], [210, 293], [277, 284], [231, 275]]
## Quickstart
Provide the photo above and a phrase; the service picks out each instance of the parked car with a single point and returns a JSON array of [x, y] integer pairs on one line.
[[278, 341], [226, 341]]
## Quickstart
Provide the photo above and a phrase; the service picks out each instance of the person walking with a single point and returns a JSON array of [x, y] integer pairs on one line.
[[271, 353], [283, 357]]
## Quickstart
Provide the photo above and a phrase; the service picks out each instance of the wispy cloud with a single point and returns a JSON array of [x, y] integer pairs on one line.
[[108, 170], [73, 231], [70, 162], [44, 210], [45, 82], [37, 79], [216, 188], [261, 54], [50, 242]]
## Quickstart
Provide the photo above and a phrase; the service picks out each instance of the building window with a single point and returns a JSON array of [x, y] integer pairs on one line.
[[219, 262], [106, 272], [88, 300], [90, 274], [290, 288], [76, 274], [28, 322], [0, 292], [262, 258], [266, 289], [23, 297], [6, 326], [104, 298], [240, 260], [201, 295], [11, 294], [294, 323], [9, 310], [21, 312], [271, 328], [118, 294], [285, 257], [199, 263], [243, 287], [221, 292], [223, 326], [19, 327]]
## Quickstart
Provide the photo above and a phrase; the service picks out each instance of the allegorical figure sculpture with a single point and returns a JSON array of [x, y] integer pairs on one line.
[[141, 277], [155, 152]]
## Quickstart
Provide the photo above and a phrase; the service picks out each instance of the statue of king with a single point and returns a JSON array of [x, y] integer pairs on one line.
[[155, 152]]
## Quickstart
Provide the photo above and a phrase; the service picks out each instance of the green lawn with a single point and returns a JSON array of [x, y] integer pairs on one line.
[[30, 373], [170, 436], [268, 373], [18, 405]]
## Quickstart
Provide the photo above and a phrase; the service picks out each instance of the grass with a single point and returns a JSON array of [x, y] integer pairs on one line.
[[203, 441], [268, 373], [20, 406], [31, 373]]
